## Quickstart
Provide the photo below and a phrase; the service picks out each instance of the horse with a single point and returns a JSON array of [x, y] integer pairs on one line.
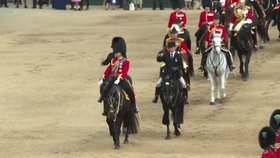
[[268, 8], [172, 98], [258, 27], [217, 69], [277, 11], [244, 45], [119, 113]]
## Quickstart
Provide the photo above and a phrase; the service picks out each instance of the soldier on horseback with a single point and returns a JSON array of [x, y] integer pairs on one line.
[[117, 72], [242, 15], [216, 27], [206, 18], [180, 34], [173, 65], [274, 12]]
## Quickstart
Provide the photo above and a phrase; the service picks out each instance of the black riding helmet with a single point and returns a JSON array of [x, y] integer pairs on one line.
[[267, 137], [275, 120]]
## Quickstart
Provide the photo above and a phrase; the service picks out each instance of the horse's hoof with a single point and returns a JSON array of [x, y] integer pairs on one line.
[[117, 147], [212, 103], [245, 78], [177, 133], [126, 141], [261, 47], [167, 137]]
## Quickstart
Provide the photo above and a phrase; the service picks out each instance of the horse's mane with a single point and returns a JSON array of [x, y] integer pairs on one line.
[[244, 39]]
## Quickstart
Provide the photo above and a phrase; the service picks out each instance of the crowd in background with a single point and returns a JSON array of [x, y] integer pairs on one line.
[[107, 4]]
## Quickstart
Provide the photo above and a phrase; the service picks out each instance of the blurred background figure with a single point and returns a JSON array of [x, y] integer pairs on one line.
[[177, 4], [155, 4], [111, 4], [138, 4], [4, 3], [76, 4], [18, 2], [84, 2], [35, 4]]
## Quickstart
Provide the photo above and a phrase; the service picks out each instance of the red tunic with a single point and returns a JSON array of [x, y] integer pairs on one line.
[[277, 145], [121, 71], [206, 17], [234, 20], [268, 154], [231, 2], [177, 15], [276, 7], [180, 44], [215, 29]]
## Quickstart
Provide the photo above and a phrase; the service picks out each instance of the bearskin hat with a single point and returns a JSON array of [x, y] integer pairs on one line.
[[119, 45], [267, 137], [275, 120]]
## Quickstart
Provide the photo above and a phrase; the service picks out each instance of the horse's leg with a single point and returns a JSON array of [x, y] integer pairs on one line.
[[261, 33], [126, 136], [212, 88], [247, 66], [117, 130], [165, 119], [241, 64], [223, 85], [243, 59], [111, 129], [175, 112]]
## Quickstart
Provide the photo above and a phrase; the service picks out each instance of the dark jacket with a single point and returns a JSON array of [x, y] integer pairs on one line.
[[172, 65]]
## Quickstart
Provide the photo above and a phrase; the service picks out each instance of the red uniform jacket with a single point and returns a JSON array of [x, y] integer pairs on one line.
[[215, 29], [206, 17], [177, 15], [120, 72], [231, 2], [235, 19], [276, 7], [180, 43], [268, 154], [277, 145]]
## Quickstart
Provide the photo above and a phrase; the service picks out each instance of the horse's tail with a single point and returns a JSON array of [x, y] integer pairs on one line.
[[131, 123]]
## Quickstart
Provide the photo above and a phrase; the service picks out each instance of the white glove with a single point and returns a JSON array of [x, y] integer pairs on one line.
[[230, 27], [117, 82], [100, 83], [248, 21], [210, 23]]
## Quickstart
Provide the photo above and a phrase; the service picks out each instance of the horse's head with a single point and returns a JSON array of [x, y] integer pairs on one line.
[[245, 30], [167, 89], [112, 102], [217, 42], [244, 37]]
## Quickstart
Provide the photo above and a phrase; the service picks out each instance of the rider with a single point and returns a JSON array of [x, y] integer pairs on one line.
[[206, 18], [242, 15], [118, 44], [183, 35], [267, 141], [275, 124], [274, 12], [181, 46], [177, 14], [231, 4], [172, 60], [259, 8], [216, 27], [117, 70]]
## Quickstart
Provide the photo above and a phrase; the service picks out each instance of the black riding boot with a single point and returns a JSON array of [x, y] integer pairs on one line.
[[190, 61], [129, 91], [186, 99], [197, 51], [203, 61], [274, 19], [156, 95], [229, 61]]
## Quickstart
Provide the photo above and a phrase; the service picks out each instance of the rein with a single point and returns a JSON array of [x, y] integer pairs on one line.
[[220, 62]]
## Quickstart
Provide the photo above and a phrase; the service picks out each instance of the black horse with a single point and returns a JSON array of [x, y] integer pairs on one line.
[[277, 11], [172, 98], [119, 113], [243, 44]]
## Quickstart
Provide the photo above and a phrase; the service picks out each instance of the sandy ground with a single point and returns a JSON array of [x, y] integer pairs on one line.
[[50, 65]]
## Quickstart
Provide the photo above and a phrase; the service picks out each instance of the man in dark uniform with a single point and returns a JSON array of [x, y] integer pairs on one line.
[[35, 4], [155, 4], [4, 3], [172, 60]]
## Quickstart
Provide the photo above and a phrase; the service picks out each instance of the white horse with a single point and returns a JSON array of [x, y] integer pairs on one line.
[[217, 69]]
